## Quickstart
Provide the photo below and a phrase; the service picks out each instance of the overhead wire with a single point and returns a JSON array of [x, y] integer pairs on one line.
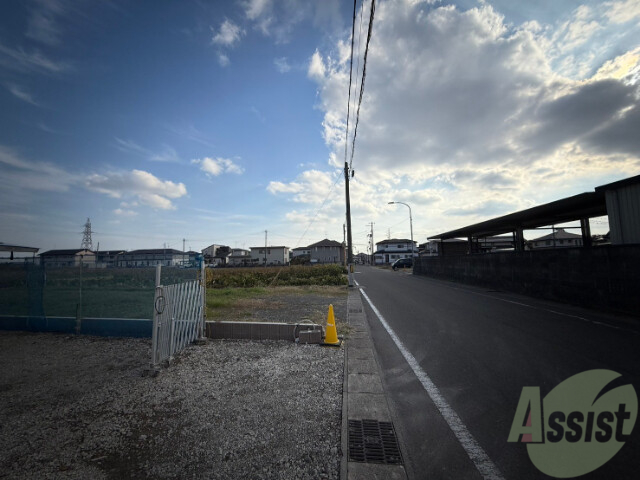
[[353, 28], [338, 177], [364, 76]]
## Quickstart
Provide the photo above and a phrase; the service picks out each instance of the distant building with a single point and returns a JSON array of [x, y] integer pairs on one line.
[[216, 254], [296, 252], [167, 257], [108, 258], [388, 251], [239, 257], [559, 238], [327, 251], [68, 258], [269, 255]]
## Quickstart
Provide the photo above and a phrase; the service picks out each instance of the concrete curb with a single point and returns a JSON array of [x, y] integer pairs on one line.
[[363, 395]]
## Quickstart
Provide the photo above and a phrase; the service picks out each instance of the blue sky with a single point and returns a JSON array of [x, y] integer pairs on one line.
[[216, 121]]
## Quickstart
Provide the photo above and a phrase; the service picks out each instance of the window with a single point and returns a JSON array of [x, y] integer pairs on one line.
[[400, 246], [548, 242]]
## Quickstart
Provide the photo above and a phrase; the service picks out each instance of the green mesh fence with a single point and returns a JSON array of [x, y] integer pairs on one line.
[[89, 292]]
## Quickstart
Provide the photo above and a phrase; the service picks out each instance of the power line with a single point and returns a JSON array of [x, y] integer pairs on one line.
[[319, 209], [353, 29], [364, 76]]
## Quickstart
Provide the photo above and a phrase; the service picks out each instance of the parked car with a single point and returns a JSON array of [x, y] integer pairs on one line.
[[402, 263]]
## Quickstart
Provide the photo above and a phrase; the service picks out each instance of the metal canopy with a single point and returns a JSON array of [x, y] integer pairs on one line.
[[584, 205], [16, 248]]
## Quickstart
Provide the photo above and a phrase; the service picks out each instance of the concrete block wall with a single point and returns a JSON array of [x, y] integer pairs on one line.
[[601, 277], [257, 330]]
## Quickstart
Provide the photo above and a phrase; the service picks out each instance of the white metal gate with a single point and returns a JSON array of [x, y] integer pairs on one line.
[[178, 317]]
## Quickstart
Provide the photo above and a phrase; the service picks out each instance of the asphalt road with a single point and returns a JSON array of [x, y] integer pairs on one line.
[[479, 348]]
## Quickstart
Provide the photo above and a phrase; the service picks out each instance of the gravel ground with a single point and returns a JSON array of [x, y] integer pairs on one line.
[[78, 407]]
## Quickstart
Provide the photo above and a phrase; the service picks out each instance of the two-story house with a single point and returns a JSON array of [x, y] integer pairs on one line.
[[327, 251], [388, 251], [269, 255], [167, 257], [239, 257], [559, 238], [68, 258]]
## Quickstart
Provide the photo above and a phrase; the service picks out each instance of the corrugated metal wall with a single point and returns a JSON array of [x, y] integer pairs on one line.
[[623, 209]]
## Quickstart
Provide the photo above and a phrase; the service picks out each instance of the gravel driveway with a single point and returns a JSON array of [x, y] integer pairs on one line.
[[78, 407]]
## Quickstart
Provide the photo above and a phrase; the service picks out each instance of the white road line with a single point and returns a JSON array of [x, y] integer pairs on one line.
[[475, 452]]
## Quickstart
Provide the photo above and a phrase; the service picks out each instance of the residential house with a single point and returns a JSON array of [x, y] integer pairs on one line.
[[559, 238], [68, 258], [269, 255], [388, 251], [239, 258], [296, 252], [216, 254], [448, 247], [327, 251], [166, 257]]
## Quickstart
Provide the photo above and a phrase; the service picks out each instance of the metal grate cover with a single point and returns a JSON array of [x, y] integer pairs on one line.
[[372, 441]]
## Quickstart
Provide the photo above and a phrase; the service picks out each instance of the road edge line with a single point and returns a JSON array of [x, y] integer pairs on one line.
[[474, 451]]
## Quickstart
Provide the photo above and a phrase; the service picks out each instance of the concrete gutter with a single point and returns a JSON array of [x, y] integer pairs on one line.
[[363, 393]]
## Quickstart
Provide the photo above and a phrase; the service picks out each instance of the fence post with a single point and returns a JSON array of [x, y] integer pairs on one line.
[[203, 291], [156, 321]]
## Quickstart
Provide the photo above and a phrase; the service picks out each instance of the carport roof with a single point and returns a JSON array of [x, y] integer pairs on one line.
[[17, 248], [584, 205]]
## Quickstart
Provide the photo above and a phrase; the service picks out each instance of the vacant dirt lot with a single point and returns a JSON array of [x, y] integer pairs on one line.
[[79, 407]]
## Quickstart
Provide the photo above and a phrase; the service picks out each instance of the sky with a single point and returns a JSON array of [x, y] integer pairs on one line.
[[210, 122]]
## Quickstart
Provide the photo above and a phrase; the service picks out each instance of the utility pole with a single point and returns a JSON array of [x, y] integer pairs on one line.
[[371, 245], [349, 242], [265, 248], [183, 242]]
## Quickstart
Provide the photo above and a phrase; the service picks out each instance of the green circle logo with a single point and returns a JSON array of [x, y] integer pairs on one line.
[[583, 423]]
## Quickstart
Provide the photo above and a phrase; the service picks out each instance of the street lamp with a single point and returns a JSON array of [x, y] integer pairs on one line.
[[410, 225]]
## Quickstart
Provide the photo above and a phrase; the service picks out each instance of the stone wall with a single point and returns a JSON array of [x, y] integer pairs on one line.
[[606, 278]]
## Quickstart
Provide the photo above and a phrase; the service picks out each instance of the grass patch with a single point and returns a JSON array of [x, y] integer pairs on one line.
[[242, 304], [297, 275]]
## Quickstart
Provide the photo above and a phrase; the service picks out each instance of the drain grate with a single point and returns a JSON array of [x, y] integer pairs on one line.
[[372, 441]]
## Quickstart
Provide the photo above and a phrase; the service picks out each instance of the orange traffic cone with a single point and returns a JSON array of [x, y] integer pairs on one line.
[[331, 336]]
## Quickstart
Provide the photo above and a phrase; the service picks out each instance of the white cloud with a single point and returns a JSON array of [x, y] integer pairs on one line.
[[316, 69], [622, 12], [34, 61], [142, 186], [279, 19], [22, 94], [256, 8], [125, 213], [228, 35], [223, 60], [218, 166], [18, 172], [282, 65], [466, 116], [167, 154]]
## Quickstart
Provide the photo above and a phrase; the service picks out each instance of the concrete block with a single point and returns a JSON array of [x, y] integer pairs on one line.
[[285, 331], [364, 383], [361, 365], [368, 405], [375, 471], [256, 331], [310, 336], [241, 331]]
